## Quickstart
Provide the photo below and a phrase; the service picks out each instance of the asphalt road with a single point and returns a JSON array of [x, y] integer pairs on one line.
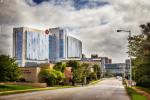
[[108, 89]]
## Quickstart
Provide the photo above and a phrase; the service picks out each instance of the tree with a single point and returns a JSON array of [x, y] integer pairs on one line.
[[140, 50], [59, 66], [9, 71], [76, 71], [85, 72], [97, 70]]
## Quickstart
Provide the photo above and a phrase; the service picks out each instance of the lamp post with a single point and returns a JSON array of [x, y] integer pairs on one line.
[[129, 31]]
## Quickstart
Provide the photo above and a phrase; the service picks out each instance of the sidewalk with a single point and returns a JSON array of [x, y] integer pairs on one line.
[[142, 92], [137, 89]]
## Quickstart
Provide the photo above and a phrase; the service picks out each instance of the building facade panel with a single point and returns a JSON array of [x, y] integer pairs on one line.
[[74, 47], [30, 46], [36, 46], [57, 43]]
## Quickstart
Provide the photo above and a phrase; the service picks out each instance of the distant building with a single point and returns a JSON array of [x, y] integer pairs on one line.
[[127, 62], [109, 61], [94, 55], [83, 56], [115, 68], [104, 60]]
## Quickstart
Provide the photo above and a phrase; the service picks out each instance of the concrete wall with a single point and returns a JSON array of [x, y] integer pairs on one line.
[[30, 74]]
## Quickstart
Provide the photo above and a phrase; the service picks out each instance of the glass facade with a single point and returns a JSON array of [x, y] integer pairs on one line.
[[62, 44], [57, 45], [18, 45], [53, 48], [37, 46], [74, 47]]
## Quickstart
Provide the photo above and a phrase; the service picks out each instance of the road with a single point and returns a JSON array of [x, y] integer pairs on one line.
[[108, 89]]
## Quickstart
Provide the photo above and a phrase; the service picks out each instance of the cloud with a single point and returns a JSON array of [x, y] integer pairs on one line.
[[93, 21]]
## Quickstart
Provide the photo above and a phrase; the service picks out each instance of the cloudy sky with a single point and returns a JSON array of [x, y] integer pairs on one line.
[[93, 21]]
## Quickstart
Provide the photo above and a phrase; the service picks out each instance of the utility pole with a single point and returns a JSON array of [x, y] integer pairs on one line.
[[130, 59], [129, 31]]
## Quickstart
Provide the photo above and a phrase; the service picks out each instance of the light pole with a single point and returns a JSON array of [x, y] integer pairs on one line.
[[129, 31]]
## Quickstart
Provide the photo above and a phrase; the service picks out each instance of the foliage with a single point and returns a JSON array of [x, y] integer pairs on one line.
[[140, 50], [97, 70], [59, 66], [82, 72], [9, 71], [51, 76], [85, 70], [93, 76], [77, 73]]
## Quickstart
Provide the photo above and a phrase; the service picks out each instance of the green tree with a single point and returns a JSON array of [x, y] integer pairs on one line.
[[140, 50], [76, 71], [97, 70], [9, 71], [59, 66], [85, 72]]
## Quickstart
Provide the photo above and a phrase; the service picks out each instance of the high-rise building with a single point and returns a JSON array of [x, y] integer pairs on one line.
[[58, 44], [30, 46], [74, 48]]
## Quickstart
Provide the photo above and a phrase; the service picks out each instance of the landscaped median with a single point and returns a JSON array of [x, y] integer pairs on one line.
[[134, 95], [13, 89]]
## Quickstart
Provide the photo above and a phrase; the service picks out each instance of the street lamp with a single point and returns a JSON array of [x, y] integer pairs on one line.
[[129, 31]]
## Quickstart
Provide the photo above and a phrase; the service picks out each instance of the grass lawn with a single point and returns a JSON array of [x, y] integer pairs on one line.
[[8, 87], [15, 89], [134, 95]]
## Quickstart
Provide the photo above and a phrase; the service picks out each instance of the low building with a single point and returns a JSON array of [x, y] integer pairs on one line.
[[31, 74]]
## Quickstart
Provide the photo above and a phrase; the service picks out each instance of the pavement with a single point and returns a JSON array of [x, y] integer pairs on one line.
[[108, 89]]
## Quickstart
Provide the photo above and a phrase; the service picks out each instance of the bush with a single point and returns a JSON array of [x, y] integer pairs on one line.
[[144, 81], [9, 71], [51, 77]]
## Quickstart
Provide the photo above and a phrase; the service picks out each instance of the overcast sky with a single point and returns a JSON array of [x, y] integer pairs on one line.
[[94, 22]]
